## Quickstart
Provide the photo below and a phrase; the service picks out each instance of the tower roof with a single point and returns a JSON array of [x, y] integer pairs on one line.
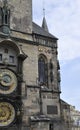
[[44, 25], [40, 31]]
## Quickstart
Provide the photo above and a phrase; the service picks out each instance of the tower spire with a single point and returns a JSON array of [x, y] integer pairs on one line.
[[44, 23]]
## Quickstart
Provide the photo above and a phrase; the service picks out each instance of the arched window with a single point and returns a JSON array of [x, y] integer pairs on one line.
[[43, 70]]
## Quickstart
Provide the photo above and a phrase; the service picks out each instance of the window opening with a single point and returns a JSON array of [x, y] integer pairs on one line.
[[51, 127], [6, 50], [42, 69], [0, 57], [11, 59], [6, 19]]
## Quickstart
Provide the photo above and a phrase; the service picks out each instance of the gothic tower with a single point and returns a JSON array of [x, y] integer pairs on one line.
[[29, 70]]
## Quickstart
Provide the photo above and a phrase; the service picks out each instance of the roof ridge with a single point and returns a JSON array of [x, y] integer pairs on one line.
[[39, 30]]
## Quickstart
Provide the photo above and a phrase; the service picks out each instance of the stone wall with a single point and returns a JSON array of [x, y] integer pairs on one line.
[[21, 15]]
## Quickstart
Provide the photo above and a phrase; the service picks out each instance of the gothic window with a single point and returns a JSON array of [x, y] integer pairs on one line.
[[43, 70]]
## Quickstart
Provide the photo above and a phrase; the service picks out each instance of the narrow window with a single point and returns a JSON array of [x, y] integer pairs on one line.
[[42, 69], [51, 127], [6, 50], [6, 19], [11, 59], [0, 57]]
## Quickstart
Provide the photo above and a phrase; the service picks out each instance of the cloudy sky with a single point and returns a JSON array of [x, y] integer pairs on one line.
[[63, 19]]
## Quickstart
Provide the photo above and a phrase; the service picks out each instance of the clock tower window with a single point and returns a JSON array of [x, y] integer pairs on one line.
[[11, 59]]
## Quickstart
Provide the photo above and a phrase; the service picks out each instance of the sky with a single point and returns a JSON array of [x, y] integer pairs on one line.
[[63, 20]]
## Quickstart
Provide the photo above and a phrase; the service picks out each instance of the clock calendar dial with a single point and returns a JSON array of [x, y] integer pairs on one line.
[[7, 113], [8, 81]]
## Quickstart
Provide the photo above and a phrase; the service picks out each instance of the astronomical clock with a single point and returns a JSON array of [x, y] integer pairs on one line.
[[10, 85], [9, 105], [7, 113], [8, 81]]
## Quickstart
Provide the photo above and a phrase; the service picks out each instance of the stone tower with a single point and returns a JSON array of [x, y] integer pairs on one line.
[[20, 15], [29, 71]]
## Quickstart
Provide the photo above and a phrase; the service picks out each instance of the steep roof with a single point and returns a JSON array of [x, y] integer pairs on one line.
[[40, 31]]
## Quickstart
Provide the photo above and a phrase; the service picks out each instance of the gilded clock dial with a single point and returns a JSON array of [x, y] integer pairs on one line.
[[8, 81], [7, 113]]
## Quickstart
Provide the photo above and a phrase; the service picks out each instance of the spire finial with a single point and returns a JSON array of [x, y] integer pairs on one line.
[[44, 23], [43, 12], [43, 8]]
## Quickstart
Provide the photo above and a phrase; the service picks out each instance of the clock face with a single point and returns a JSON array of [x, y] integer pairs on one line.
[[8, 81], [7, 113]]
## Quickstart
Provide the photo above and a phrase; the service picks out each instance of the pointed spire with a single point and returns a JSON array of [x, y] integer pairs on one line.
[[44, 23]]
